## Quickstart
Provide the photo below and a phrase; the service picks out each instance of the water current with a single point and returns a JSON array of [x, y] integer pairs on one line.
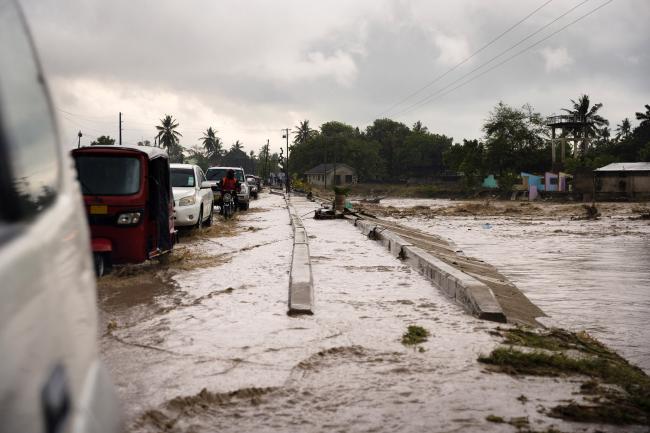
[[586, 275]]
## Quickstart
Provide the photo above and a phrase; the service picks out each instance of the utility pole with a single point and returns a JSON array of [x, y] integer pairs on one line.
[[79, 140], [325, 140], [286, 165], [266, 161], [120, 128]]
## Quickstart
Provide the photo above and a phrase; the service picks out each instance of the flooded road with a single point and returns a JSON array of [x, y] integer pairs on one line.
[[206, 344], [592, 275]]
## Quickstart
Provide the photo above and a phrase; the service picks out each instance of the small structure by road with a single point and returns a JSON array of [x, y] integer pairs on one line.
[[628, 179], [331, 174]]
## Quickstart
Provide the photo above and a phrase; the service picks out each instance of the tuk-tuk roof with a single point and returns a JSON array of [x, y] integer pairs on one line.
[[150, 151]]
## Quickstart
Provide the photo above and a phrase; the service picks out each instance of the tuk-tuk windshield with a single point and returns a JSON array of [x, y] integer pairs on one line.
[[108, 175], [183, 177], [219, 173]]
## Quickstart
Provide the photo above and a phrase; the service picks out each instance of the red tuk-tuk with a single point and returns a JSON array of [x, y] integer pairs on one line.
[[129, 202]]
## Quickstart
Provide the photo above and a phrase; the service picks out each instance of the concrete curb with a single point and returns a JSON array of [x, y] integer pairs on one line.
[[476, 297], [301, 283]]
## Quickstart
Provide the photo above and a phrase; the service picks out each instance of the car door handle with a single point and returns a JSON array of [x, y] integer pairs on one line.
[[55, 400]]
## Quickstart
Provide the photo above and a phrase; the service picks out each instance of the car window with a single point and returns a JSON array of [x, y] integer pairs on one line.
[[30, 160], [183, 177], [216, 173], [108, 175], [201, 176]]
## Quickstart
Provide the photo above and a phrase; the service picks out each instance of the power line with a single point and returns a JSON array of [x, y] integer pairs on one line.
[[442, 89], [438, 95], [462, 62]]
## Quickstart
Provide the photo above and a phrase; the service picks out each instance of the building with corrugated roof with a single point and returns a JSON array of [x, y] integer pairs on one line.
[[630, 179]]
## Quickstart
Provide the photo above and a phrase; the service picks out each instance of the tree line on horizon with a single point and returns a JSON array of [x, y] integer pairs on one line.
[[514, 140]]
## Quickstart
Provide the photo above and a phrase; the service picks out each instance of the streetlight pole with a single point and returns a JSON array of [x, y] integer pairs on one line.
[[286, 164], [79, 135]]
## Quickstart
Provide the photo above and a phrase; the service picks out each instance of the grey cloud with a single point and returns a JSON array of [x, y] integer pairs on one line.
[[260, 61]]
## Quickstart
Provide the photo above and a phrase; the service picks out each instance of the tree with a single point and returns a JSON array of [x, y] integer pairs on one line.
[[588, 115], [212, 145], [644, 117], [419, 128], [624, 129], [303, 133], [198, 155], [103, 140], [391, 136], [514, 140], [168, 136], [468, 159], [144, 143], [237, 145]]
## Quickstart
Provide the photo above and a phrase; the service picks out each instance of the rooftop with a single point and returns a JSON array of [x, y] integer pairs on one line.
[[326, 168], [626, 166]]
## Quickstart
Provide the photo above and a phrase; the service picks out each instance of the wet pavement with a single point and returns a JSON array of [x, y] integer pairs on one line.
[[586, 275], [212, 348]]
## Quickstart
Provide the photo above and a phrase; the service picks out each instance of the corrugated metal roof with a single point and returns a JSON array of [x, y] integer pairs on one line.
[[322, 168], [626, 166]]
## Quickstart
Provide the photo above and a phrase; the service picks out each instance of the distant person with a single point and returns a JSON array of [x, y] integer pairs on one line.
[[229, 184]]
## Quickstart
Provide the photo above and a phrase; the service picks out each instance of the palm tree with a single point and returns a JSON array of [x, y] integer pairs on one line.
[[589, 119], [644, 117], [237, 145], [167, 136], [212, 145], [624, 129], [303, 132]]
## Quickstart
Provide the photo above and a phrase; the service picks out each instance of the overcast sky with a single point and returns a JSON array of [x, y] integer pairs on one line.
[[251, 68]]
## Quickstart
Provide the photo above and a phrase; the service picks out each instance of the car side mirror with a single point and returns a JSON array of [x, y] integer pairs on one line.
[[205, 185]]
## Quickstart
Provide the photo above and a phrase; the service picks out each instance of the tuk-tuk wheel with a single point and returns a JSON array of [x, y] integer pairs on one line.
[[100, 264]]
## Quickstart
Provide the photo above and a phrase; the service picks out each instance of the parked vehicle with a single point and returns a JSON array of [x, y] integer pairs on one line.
[[253, 185], [128, 197], [215, 174], [228, 205], [51, 375], [193, 199]]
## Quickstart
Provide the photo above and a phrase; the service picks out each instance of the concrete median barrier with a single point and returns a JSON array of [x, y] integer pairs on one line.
[[476, 297], [301, 283]]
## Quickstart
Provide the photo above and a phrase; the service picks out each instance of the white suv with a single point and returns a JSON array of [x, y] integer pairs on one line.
[[51, 376], [193, 200], [215, 174]]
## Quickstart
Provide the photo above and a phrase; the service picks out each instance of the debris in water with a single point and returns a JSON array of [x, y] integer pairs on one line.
[[414, 335]]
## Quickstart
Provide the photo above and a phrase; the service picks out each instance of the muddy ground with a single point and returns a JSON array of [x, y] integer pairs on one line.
[[203, 343]]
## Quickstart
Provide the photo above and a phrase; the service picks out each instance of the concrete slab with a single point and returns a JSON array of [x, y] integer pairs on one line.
[[301, 284], [476, 297]]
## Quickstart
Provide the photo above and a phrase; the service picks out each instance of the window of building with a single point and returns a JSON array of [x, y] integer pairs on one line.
[[348, 178]]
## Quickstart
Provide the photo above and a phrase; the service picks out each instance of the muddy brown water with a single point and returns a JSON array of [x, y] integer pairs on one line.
[[586, 275]]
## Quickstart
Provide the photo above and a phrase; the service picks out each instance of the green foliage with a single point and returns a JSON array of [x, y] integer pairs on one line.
[[414, 335], [555, 356], [103, 140], [169, 138], [341, 190]]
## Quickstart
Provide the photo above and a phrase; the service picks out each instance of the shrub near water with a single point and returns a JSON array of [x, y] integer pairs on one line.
[[414, 335], [627, 403]]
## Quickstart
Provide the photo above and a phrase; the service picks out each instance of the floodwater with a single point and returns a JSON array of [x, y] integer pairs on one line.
[[213, 349], [591, 275]]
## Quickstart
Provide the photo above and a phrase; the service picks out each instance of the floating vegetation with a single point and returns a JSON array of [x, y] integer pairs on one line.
[[414, 335], [616, 392]]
